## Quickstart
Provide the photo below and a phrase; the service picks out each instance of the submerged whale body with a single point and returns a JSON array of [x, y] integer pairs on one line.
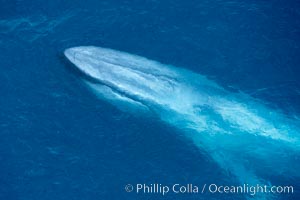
[[234, 129]]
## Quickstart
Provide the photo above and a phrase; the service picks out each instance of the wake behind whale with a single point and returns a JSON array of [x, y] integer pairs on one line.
[[242, 135]]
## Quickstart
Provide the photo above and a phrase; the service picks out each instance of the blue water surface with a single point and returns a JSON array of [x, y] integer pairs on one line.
[[58, 141]]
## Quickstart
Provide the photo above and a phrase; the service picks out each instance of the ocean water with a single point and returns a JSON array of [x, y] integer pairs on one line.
[[59, 141]]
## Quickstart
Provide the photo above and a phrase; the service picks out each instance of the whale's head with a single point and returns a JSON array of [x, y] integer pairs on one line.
[[87, 60], [90, 60], [128, 75]]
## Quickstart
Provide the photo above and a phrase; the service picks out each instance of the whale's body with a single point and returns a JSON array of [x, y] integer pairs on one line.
[[234, 129]]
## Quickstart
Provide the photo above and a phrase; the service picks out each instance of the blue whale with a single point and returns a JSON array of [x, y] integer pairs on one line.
[[242, 135]]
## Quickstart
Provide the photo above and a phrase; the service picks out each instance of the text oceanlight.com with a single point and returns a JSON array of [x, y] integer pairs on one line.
[[252, 190]]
